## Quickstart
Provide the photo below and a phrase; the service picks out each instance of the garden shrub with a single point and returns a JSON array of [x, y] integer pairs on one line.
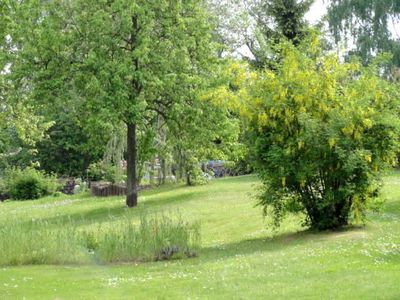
[[194, 173], [198, 177], [322, 133], [29, 183]]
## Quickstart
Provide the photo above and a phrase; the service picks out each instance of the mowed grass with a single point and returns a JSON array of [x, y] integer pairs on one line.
[[240, 257]]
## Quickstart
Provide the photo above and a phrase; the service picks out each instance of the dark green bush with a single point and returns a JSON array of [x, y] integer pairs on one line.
[[29, 183], [3, 190]]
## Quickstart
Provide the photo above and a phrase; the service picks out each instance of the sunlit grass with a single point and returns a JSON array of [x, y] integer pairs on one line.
[[240, 256]]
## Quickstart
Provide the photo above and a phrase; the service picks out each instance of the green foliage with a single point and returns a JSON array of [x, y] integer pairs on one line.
[[204, 130], [156, 237], [258, 25], [243, 166], [322, 133], [65, 149], [96, 171], [369, 23], [3, 189], [288, 19], [105, 171], [194, 174], [277, 21], [29, 183]]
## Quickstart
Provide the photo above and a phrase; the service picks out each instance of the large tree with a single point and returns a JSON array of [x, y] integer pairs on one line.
[[120, 58]]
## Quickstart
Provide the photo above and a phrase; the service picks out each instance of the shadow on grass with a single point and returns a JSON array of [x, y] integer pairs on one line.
[[275, 243], [162, 189], [89, 216], [392, 207]]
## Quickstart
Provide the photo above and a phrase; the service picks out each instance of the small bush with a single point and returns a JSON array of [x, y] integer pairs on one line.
[[198, 177], [24, 184], [194, 173]]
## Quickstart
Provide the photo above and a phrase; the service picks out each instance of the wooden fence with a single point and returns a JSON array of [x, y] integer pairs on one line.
[[105, 189]]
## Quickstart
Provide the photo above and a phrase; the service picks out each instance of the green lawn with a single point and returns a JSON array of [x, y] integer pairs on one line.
[[240, 258]]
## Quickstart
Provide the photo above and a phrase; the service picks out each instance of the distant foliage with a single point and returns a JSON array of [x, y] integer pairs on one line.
[[194, 173], [369, 24], [241, 167], [101, 171], [66, 150], [27, 184], [322, 132]]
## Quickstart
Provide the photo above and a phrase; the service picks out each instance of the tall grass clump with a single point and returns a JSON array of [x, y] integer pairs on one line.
[[148, 238], [156, 237], [40, 242]]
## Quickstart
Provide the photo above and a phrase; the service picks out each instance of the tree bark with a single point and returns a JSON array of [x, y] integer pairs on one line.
[[151, 173], [131, 182], [163, 170], [188, 178]]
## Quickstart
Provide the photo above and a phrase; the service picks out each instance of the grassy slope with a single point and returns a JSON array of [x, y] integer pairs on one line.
[[240, 259]]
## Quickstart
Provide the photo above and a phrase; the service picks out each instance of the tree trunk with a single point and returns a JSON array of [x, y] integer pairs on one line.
[[159, 178], [163, 170], [188, 177], [188, 180], [131, 182]]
